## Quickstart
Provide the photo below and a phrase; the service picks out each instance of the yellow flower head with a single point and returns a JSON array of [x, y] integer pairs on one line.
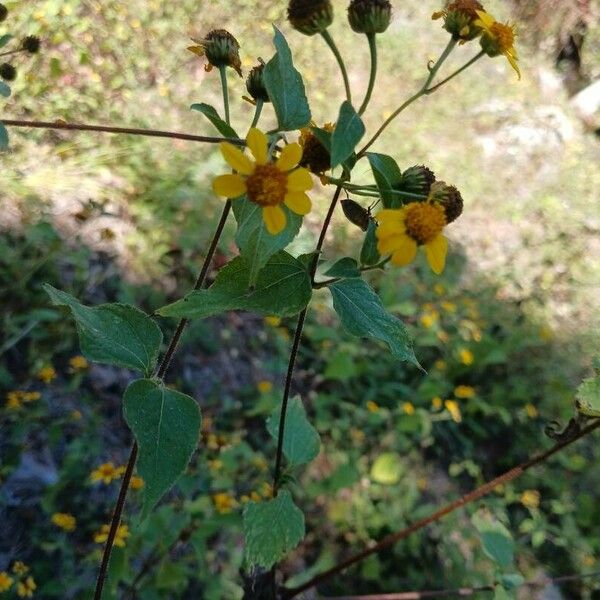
[[460, 17], [408, 408], [31, 396], [224, 503], [5, 581], [440, 365], [266, 183], [264, 386], [78, 363], [402, 230], [137, 482], [64, 521], [454, 410], [372, 406], [464, 391], [466, 357], [20, 568], [498, 38], [272, 321], [26, 588], [531, 410], [47, 374], [14, 400], [106, 472], [530, 498], [122, 534], [437, 403]]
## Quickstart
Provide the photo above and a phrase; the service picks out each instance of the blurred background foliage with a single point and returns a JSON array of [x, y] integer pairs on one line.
[[505, 335]]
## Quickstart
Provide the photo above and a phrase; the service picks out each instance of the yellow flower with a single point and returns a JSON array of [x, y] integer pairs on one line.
[[372, 406], [439, 289], [408, 408], [76, 415], [78, 363], [47, 374], [498, 38], [64, 521], [255, 497], [266, 490], [402, 230], [531, 410], [26, 588], [464, 391], [224, 503], [588, 561], [268, 184], [440, 365], [437, 403], [106, 472], [449, 307], [20, 568], [466, 356], [5, 581], [443, 337], [264, 386], [530, 498], [122, 534], [273, 321], [454, 410], [14, 400], [429, 319], [31, 396], [137, 482]]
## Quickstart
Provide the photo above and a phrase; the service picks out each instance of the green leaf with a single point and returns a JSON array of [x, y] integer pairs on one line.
[[496, 540], [345, 267], [301, 442], [349, 130], [3, 137], [271, 529], [4, 39], [116, 334], [213, 116], [387, 174], [588, 397], [256, 244], [362, 314], [166, 425], [387, 469], [369, 255], [4, 89], [283, 288], [285, 87]]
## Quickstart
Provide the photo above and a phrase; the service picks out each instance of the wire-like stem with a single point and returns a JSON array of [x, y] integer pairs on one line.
[[373, 74], [472, 496], [457, 72], [329, 40], [126, 130], [328, 282], [9, 52], [223, 74], [257, 112]]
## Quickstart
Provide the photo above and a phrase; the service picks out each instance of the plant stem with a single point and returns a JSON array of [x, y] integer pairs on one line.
[[223, 73], [457, 72], [472, 496], [373, 74], [329, 40], [127, 130], [257, 112]]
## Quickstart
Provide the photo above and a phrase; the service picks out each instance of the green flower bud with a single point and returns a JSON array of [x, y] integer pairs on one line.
[[369, 16], [222, 50], [255, 84], [459, 18], [8, 72], [310, 16], [417, 180]]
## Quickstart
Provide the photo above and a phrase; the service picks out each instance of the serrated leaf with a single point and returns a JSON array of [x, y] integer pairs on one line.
[[271, 529], [256, 244], [387, 468], [349, 130], [496, 541], [588, 397], [4, 89], [282, 288], [301, 442], [362, 314], [115, 334], [4, 140], [166, 425], [387, 175], [285, 87], [213, 116], [344, 267], [369, 255]]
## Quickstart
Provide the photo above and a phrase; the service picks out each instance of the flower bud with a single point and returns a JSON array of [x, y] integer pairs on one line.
[[369, 16], [417, 180], [310, 16], [315, 157], [255, 84], [459, 18], [8, 72], [356, 214], [449, 198], [31, 44], [3, 12], [222, 50]]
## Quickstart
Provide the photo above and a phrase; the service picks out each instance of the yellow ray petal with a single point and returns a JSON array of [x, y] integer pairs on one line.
[[299, 202], [258, 143], [290, 157], [436, 251], [392, 215], [485, 19], [236, 159], [512, 59], [391, 244], [274, 219], [390, 228], [299, 181], [406, 252], [230, 186]]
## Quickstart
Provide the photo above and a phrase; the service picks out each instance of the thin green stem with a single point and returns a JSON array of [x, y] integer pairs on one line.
[[223, 73], [328, 282], [257, 112], [329, 40], [373, 74], [457, 72]]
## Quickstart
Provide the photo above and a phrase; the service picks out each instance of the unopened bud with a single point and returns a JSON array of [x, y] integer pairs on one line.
[[310, 16], [255, 84], [369, 16]]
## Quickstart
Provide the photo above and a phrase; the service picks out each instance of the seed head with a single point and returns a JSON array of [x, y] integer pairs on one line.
[[3, 12], [417, 180], [31, 44], [449, 198], [8, 72], [222, 50], [310, 16], [369, 16], [255, 84]]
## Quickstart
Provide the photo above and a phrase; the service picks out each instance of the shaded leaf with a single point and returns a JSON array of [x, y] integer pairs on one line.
[[213, 116], [345, 267], [3, 137], [4, 89], [588, 397], [387, 174], [496, 540], [349, 130], [369, 255]]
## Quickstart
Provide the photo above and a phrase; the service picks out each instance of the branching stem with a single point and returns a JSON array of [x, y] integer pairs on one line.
[[373, 74], [329, 40]]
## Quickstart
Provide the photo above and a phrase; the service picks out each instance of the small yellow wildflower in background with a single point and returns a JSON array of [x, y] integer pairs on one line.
[[530, 498], [31, 396], [546, 333], [443, 336], [20, 568], [224, 503], [5, 581], [449, 307], [273, 321], [466, 356], [137, 482], [408, 408], [79, 363], [265, 183], [429, 319], [531, 410], [437, 403], [372, 406], [26, 588], [122, 534], [65, 521], [264, 386], [464, 391], [500, 489], [439, 289], [589, 560], [440, 365], [13, 400], [76, 415], [106, 473], [46, 374], [266, 490], [454, 410]]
